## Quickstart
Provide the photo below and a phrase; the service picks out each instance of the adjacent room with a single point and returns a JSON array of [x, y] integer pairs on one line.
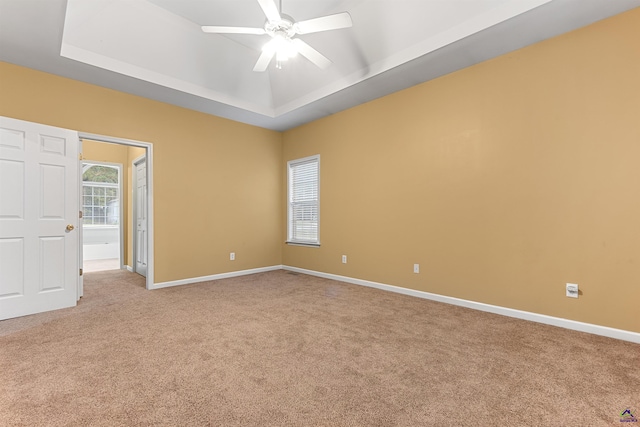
[[393, 213]]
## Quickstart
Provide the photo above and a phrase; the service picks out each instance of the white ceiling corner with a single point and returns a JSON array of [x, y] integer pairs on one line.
[[156, 49]]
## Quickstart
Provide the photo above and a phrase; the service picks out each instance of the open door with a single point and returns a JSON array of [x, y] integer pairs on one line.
[[80, 226], [38, 218], [140, 216]]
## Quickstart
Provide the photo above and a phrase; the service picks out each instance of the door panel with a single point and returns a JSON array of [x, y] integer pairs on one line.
[[53, 145], [12, 138], [12, 267], [52, 263], [38, 199]]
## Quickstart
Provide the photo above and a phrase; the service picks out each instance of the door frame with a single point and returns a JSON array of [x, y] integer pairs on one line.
[[134, 210], [149, 156]]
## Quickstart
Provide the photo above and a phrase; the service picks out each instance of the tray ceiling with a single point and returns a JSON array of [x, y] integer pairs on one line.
[[156, 49]]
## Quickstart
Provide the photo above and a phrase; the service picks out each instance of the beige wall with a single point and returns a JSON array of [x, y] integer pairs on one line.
[[217, 183], [503, 181]]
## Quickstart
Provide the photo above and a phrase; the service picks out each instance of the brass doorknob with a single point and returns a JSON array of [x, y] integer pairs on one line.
[[70, 227]]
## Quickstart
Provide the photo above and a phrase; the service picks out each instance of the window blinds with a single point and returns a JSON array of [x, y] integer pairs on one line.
[[304, 200]]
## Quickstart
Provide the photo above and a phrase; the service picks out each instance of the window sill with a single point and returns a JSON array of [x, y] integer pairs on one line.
[[312, 245]]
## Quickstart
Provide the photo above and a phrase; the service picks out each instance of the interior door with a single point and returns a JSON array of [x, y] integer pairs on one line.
[[80, 292], [141, 217], [38, 218]]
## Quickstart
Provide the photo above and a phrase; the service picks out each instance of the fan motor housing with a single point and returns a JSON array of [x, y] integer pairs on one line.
[[284, 27]]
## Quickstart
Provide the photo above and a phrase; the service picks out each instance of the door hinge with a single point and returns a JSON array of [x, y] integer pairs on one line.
[[80, 272], [80, 156], [79, 214]]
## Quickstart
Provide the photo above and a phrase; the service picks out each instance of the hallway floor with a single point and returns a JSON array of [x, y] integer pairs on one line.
[[89, 266]]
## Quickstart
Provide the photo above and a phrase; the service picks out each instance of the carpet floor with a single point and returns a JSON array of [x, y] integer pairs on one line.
[[285, 349]]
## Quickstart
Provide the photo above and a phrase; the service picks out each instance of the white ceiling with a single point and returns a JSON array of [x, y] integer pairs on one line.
[[156, 49]]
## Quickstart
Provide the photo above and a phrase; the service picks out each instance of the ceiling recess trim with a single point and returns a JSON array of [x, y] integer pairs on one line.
[[78, 11], [424, 47]]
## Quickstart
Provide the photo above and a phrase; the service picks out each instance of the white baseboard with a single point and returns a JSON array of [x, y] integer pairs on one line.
[[525, 315], [129, 268], [215, 277]]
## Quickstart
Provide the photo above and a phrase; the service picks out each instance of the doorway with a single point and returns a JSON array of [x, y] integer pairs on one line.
[[102, 206], [130, 153]]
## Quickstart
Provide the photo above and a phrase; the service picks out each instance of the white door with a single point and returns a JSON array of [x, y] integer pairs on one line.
[[80, 292], [141, 217], [38, 218]]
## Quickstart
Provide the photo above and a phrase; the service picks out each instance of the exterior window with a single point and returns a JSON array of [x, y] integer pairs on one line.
[[304, 201], [100, 198]]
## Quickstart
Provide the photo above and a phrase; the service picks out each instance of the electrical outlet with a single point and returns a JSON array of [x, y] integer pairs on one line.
[[572, 290], [416, 268], [232, 256], [344, 259]]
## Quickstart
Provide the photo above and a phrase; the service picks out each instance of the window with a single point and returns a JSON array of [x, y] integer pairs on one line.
[[100, 198], [304, 201]]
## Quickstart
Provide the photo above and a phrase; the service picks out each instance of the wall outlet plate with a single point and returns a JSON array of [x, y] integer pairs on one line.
[[232, 256], [416, 268], [572, 290], [344, 259]]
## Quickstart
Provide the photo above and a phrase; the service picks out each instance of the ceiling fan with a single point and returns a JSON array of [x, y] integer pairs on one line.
[[283, 29]]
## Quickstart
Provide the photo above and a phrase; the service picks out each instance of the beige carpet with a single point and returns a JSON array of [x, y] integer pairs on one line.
[[281, 349]]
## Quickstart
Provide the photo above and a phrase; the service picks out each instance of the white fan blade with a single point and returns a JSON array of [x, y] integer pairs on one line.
[[232, 30], [270, 10], [311, 54], [265, 58], [324, 23]]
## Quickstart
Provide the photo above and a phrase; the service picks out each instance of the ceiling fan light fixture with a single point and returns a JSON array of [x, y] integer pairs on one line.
[[282, 47], [282, 29]]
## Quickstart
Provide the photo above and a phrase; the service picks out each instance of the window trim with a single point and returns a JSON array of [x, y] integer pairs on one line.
[[290, 164]]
